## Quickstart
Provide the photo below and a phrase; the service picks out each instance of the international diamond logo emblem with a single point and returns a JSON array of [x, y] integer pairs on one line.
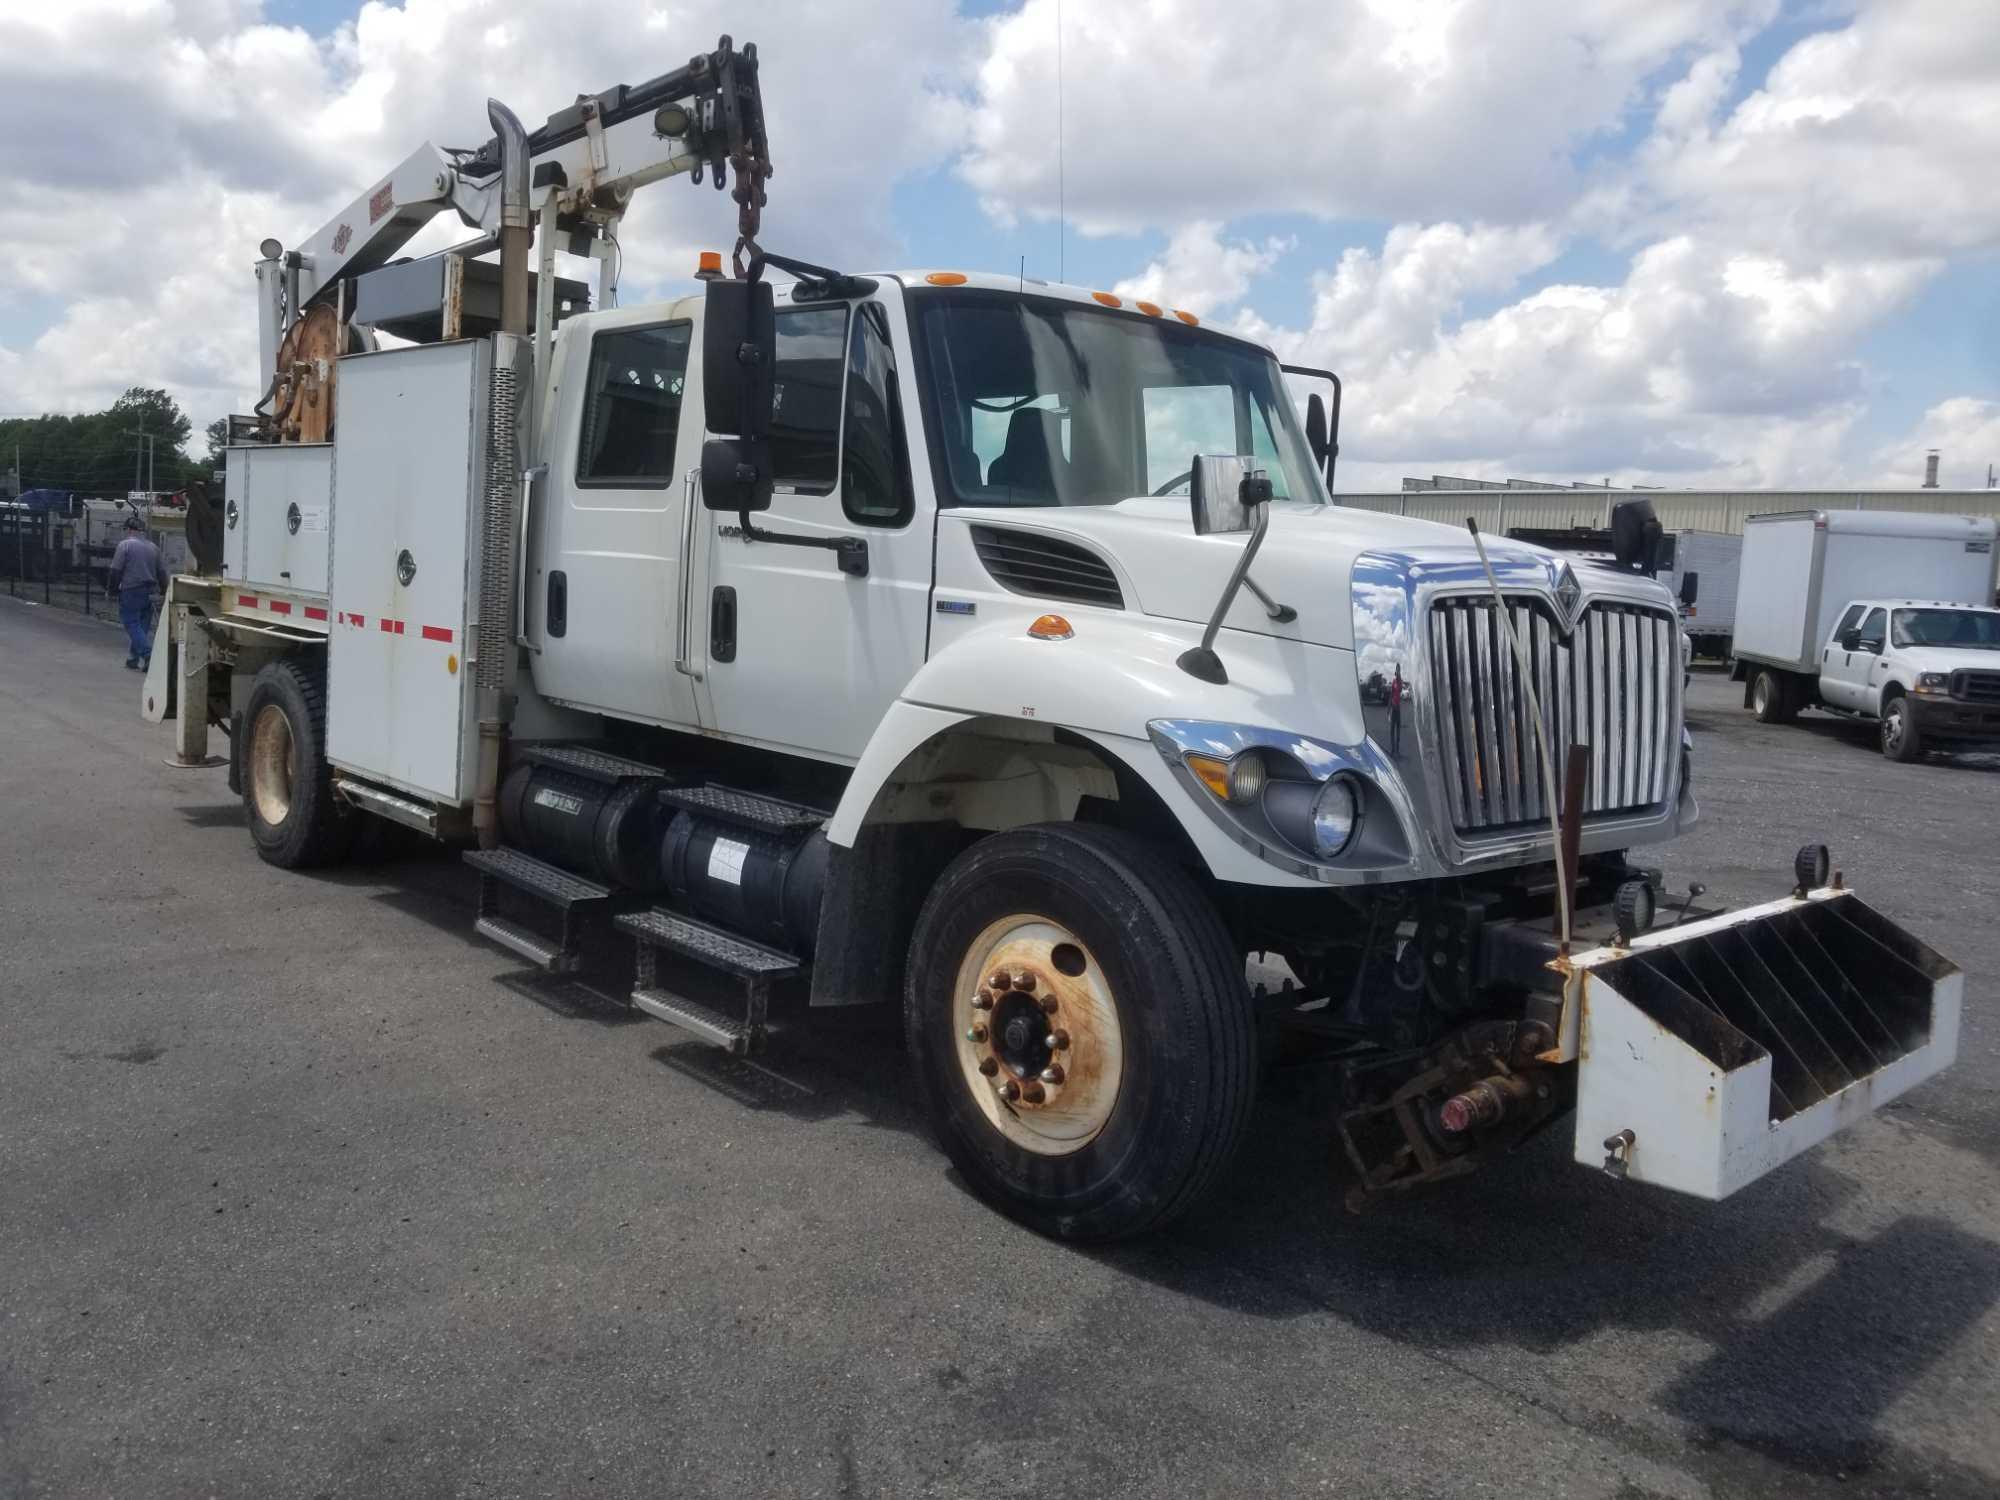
[[1569, 598]]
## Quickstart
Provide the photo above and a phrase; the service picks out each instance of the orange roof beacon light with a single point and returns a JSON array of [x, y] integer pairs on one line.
[[709, 267], [946, 278], [1107, 299], [1051, 628], [1187, 317]]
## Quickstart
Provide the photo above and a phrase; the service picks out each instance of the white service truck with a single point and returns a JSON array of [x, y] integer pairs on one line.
[[1878, 615], [913, 638]]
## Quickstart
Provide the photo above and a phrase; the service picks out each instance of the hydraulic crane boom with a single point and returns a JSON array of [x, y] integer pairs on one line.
[[585, 162]]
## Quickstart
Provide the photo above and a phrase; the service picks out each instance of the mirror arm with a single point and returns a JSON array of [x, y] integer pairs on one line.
[[1201, 661], [852, 551], [1284, 614]]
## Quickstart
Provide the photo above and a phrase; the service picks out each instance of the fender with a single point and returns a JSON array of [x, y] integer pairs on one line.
[[1105, 683]]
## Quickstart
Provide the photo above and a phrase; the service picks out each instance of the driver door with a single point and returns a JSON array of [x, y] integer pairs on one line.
[[1844, 673], [799, 655]]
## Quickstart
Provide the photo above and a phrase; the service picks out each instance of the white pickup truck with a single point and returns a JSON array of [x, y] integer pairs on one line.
[[1929, 672]]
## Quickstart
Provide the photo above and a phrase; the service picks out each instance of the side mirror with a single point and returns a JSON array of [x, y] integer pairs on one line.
[[739, 346], [1635, 535], [1690, 587], [1316, 438], [1224, 492], [1850, 640]]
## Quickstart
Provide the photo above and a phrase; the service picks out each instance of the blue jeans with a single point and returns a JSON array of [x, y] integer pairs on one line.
[[135, 610]]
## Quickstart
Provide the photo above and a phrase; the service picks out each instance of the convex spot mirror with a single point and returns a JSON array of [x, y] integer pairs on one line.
[[738, 351], [1225, 491]]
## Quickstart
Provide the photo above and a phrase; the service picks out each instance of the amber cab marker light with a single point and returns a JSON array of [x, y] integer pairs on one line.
[[1150, 309], [1051, 628], [1107, 299], [946, 278], [709, 267], [1187, 317]]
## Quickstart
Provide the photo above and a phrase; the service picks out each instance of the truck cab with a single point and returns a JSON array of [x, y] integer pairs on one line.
[[1928, 671]]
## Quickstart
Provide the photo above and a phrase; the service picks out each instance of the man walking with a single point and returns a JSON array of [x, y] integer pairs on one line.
[[137, 570]]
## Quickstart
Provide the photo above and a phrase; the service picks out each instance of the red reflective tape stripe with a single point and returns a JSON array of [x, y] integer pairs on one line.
[[315, 614], [361, 620], [246, 601], [437, 633], [393, 627], [279, 607]]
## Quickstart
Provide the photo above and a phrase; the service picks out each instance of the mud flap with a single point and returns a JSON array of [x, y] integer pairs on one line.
[[1711, 1053]]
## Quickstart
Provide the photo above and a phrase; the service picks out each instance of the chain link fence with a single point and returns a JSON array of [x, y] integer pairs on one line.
[[59, 554]]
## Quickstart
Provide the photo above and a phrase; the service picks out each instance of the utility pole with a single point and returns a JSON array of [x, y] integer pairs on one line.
[[142, 453]]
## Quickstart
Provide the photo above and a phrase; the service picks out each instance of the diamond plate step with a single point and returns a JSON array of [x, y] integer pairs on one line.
[[558, 887], [747, 809], [596, 765], [550, 957], [731, 1035], [711, 946]]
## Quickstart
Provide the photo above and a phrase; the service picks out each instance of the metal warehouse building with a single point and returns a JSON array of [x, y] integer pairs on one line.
[[1497, 508]]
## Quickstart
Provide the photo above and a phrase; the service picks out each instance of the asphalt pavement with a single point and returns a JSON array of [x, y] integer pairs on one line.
[[305, 1191]]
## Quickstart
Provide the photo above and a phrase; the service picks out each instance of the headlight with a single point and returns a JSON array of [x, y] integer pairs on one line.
[[1336, 812], [1934, 682]]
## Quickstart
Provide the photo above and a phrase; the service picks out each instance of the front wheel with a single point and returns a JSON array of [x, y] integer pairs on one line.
[[1080, 1027], [1901, 740]]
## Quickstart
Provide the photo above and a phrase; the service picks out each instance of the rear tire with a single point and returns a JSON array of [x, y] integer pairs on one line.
[[296, 821], [1901, 739], [1771, 697], [1154, 1071]]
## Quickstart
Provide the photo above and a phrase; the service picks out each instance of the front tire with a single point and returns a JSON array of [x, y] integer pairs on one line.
[[1901, 739], [1081, 1030], [296, 820]]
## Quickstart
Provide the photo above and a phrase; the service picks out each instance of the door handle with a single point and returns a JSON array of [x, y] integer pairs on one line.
[[681, 663], [722, 624]]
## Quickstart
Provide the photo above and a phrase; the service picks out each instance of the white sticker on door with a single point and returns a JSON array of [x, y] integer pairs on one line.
[[725, 860]]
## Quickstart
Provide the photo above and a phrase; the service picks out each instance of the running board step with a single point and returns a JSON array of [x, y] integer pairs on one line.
[[747, 809], [752, 965], [711, 1025], [572, 897], [589, 762]]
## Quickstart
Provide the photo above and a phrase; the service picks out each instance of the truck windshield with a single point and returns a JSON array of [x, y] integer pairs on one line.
[[1962, 629], [1037, 401]]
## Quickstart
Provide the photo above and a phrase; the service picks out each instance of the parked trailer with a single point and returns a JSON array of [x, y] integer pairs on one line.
[[910, 637], [1713, 559]]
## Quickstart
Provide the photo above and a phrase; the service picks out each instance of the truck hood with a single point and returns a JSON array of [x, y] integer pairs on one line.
[[1306, 561], [1941, 658]]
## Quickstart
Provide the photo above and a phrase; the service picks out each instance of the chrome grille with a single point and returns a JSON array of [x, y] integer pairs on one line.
[[1613, 684]]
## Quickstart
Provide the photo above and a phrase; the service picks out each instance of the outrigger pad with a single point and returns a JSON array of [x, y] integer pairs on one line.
[[1729, 1046]]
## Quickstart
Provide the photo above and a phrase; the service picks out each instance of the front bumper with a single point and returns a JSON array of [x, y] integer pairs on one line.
[[1710, 1053], [1954, 719]]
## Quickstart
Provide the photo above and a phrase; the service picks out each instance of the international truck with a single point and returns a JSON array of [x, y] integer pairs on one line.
[[1875, 615], [989, 648]]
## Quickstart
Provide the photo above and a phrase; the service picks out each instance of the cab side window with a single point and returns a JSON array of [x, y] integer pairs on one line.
[[632, 407], [1849, 621], [805, 398], [1874, 630], [875, 464]]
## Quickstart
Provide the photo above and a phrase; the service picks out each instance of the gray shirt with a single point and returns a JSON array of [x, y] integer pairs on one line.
[[136, 564]]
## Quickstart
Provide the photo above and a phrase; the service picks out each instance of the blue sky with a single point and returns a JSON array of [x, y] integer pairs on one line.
[[1698, 241]]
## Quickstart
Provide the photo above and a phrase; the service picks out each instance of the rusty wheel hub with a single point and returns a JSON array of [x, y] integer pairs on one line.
[[1039, 1045]]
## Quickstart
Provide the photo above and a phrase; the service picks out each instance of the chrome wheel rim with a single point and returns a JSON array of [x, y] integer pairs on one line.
[[1763, 695], [1892, 728], [1038, 1041], [271, 764]]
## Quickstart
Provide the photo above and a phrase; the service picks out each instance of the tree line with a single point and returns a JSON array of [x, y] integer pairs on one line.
[[93, 453]]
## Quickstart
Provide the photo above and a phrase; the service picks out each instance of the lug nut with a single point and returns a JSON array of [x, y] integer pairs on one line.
[[1008, 1089], [1049, 1004], [988, 1066], [1033, 1093], [1052, 1074], [982, 1001], [998, 980], [1058, 1040], [1024, 980], [975, 1033]]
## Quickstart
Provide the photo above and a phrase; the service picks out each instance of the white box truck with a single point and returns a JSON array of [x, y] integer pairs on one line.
[[1878, 615], [1703, 570], [906, 638]]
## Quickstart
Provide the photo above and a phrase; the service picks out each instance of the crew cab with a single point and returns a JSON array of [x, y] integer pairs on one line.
[[1928, 671]]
